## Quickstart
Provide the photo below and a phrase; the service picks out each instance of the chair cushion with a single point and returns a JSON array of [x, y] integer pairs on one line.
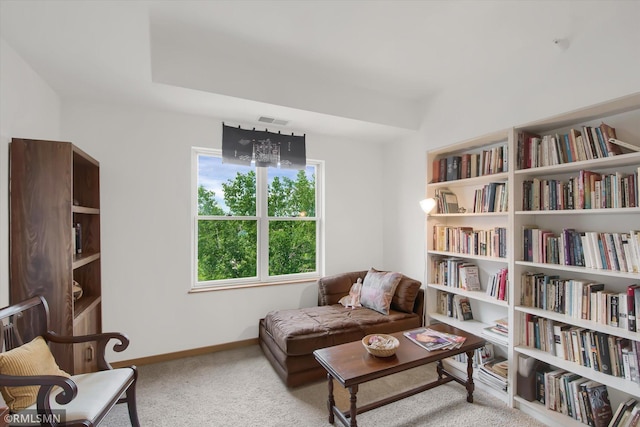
[[33, 358], [96, 390]]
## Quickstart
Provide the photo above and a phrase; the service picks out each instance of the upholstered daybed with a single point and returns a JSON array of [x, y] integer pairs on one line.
[[289, 337]]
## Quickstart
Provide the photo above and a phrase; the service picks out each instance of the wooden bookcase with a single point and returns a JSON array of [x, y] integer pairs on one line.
[[624, 115], [55, 186]]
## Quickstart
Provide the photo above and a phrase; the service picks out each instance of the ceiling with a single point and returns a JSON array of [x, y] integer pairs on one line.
[[364, 70]]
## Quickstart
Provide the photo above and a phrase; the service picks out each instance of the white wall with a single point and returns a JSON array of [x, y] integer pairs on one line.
[[588, 72], [145, 167], [29, 108]]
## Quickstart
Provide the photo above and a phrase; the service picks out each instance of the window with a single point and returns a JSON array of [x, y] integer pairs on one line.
[[254, 225]]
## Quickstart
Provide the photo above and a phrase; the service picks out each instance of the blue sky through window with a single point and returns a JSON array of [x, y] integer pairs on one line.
[[212, 173]]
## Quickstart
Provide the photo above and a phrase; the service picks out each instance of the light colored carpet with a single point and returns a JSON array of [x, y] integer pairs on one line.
[[239, 388]]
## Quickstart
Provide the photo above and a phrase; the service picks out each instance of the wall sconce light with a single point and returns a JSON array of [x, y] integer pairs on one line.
[[427, 205]]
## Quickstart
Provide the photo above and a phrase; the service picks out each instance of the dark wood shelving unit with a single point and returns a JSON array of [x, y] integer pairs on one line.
[[54, 186]]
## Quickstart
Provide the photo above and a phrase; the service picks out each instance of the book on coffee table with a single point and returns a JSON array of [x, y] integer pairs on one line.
[[432, 340]]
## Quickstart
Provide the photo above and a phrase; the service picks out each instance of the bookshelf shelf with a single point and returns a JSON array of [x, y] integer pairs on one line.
[[468, 256], [472, 214], [621, 116], [476, 295], [565, 168], [582, 270], [478, 180], [603, 211], [609, 380], [588, 324], [556, 418]]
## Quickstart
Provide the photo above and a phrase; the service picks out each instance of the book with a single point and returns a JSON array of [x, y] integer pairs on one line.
[[599, 401], [464, 308], [469, 277], [624, 144]]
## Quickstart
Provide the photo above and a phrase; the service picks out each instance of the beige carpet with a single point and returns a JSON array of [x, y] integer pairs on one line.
[[239, 388]]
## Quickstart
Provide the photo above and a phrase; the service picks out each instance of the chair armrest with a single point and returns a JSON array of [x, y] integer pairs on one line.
[[46, 383], [101, 340]]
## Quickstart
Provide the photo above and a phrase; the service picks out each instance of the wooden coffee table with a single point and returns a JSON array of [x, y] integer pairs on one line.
[[351, 365]]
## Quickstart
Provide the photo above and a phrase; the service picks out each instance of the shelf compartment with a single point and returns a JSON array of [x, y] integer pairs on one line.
[[85, 304], [599, 211], [80, 260], [609, 380], [474, 327], [469, 214], [85, 210], [588, 324], [469, 256], [459, 369], [476, 180], [575, 269], [557, 418], [629, 159], [476, 295]]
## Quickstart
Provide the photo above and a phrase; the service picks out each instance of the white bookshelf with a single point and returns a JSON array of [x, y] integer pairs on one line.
[[624, 115]]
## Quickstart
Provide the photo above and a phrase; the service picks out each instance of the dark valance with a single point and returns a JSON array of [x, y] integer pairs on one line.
[[267, 149]]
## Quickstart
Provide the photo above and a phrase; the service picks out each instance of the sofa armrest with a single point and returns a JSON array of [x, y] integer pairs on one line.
[[332, 288]]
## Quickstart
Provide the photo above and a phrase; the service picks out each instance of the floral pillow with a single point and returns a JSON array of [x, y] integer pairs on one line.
[[378, 289], [353, 299]]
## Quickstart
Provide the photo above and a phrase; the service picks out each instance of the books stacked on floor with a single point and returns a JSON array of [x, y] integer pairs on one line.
[[498, 332], [627, 414], [494, 373], [433, 340], [568, 393]]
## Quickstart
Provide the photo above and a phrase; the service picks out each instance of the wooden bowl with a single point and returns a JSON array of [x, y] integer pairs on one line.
[[382, 345]]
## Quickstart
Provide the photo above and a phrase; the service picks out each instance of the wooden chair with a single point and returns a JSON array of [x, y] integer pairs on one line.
[[99, 391]]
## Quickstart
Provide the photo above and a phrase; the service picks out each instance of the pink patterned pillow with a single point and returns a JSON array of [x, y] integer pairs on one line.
[[378, 289], [353, 299]]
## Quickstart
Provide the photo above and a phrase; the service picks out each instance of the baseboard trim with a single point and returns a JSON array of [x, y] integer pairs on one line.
[[184, 353]]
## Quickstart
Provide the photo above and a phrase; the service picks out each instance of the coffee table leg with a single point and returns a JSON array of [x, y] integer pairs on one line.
[[470, 385], [353, 410], [439, 369], [330, 401]]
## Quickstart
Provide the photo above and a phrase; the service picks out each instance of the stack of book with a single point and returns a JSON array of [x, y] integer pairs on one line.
[[470, 165], [495, 373], [577, 397], [456, 273], [498, 285], [498, 332], [580, 144]]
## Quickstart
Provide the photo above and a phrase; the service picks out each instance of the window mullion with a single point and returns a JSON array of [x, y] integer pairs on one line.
[[263, 222]]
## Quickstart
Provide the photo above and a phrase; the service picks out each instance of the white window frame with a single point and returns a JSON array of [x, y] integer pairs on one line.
[[263, 221]]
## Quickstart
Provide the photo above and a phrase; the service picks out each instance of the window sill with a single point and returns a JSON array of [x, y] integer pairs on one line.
[[250, 285]]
